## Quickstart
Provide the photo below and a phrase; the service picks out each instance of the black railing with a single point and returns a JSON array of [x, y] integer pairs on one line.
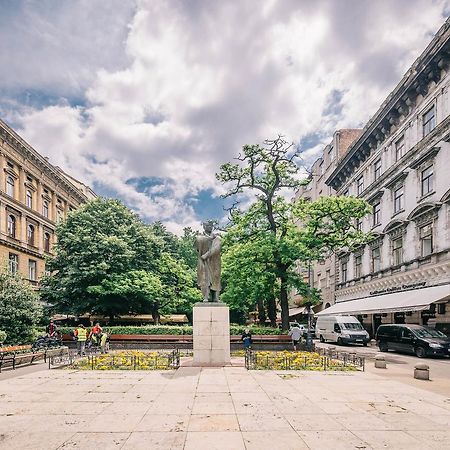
[[159, 361], [318, 361]]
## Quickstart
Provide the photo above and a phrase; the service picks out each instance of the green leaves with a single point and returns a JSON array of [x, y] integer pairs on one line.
[[20, 310]]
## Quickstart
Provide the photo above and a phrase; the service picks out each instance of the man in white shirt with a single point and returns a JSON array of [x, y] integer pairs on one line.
[[296, 335]]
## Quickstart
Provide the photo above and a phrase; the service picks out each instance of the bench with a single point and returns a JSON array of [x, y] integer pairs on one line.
[[15, 355]]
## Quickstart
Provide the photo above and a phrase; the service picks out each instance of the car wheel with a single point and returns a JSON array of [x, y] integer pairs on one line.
[[383, 347], [321, 339], [420, 352], [365, 344], [339, 341]]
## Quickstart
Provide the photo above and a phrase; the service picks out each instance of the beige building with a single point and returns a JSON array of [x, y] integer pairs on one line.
[[399, 165], [321, 275], [34, 196]]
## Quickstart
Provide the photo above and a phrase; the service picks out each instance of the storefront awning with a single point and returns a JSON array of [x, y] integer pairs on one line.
[[412, 300], [295, 311]]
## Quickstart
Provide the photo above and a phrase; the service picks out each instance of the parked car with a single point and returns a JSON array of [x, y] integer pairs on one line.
[[417, 339], [341, 329]]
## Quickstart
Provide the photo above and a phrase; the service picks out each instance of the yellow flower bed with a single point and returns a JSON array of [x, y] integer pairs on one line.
[[289, 360], [125, 360]]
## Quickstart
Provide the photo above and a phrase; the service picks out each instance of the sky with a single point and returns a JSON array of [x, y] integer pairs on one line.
[[143, 100]]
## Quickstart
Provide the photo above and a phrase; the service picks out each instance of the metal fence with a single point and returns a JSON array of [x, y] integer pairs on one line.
[[161, 361], [311, 361]]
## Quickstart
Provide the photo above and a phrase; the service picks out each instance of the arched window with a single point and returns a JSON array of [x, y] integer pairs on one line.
[[10, 186], [11, 226], [30, 235], [45, 208], [47, 242], [29, 199]]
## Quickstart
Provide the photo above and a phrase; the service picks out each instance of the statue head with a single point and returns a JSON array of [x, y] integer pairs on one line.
[[208, 226]]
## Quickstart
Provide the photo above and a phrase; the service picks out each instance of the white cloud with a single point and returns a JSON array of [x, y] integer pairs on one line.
[[183, 85]]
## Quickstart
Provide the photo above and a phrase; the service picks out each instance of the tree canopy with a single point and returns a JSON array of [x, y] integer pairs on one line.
[[108, 262], [274, 235], [20, 309]]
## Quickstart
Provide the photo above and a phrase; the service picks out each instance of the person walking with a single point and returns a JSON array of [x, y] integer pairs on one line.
[[247, 339], [296, 335], [81, 335]]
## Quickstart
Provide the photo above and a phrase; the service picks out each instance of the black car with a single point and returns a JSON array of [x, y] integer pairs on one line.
[[417, 339]]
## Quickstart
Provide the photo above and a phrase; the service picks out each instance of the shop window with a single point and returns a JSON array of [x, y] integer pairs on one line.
[[429, 121], [397, 251], [11, 226], [426, 239], [441, 308], [13, 263]]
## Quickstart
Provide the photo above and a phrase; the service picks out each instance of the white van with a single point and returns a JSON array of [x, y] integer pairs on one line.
[[341, 329]]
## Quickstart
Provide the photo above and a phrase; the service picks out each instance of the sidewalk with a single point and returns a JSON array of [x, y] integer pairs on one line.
[[218, 408]]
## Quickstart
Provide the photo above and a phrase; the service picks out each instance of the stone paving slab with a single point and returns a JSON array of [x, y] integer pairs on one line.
[[218, 408]]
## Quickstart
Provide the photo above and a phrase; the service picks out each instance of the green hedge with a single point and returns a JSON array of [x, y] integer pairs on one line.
[[175, 330]]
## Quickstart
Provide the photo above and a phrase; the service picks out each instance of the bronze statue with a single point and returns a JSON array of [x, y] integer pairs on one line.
[[208, 246]]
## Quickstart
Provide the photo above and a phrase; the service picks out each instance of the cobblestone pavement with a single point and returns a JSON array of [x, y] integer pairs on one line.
[[218, 408]]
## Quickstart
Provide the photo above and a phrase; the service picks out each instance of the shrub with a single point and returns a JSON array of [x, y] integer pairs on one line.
[[2, 337]]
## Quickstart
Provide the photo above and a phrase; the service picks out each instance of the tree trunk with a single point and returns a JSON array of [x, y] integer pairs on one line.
[[284, 302], [272, 311], [261, 312], [156, 316]]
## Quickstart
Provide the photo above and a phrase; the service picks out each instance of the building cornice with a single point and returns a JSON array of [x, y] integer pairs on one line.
[[426, 69], [8, 135]]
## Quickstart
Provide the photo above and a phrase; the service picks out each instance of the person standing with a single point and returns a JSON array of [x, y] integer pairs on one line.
[[247, 339], [296, 335], [104, 344], [81, 335]]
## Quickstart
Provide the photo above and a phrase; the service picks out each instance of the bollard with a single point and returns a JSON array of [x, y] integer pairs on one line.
[[421, 372], [380, 362]]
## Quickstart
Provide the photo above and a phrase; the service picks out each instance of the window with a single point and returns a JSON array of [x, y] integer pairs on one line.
[[47, 242], [346, 193], [376, 259], [398, 199], [45, 208], [29, 199], [426, 239], [328, 278], [11, 226], [344, 272], [360, 185], [32, 270], [13, 263], [30, 235], [397, 251], [358, 266], [321, 168], [359, 224], [426, 180], [399, 148], [376, 211], [10, 186], [59, 215], [428, 121], [377, 169]]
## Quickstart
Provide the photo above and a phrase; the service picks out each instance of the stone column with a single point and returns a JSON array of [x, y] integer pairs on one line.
[[211, 334]]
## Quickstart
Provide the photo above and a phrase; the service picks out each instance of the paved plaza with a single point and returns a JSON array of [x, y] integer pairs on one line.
[[218, 408]]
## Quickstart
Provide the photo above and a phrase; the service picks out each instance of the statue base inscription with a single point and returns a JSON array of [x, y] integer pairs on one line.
[[211, 334]]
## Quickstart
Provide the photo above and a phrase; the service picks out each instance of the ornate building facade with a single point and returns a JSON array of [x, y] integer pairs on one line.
[[34, 196], [399, 165]]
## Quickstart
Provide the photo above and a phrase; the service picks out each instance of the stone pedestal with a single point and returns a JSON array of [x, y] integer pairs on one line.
[[211, 334]]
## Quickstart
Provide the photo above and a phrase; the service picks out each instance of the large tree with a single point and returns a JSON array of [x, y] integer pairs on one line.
[[108, 262], [20, 309], [291, 233]]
